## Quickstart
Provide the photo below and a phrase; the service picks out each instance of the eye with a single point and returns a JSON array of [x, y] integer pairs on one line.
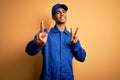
[[64, 11], [57, 12]]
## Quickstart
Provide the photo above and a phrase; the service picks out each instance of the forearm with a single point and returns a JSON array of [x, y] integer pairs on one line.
[[32, 48], [78, 52]]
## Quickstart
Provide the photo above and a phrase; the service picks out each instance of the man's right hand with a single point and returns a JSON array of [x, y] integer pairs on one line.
[[41, 37]]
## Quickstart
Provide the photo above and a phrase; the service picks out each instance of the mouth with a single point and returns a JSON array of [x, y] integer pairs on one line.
[[62, 18]]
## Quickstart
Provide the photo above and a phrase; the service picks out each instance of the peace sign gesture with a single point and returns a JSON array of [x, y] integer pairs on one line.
[[74, 38], [41, 37]]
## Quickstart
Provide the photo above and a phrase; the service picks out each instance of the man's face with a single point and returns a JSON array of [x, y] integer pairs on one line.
[[60, 16]]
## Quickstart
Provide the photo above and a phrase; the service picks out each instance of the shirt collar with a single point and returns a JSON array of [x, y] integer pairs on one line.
[[56, 30]]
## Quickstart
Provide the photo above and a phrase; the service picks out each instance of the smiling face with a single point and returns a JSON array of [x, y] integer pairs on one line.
[[60, 16]]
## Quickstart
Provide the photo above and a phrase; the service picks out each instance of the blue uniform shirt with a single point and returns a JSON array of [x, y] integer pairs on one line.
[[58, 53]]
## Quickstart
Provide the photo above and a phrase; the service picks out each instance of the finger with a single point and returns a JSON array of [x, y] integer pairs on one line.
[[37, 37], [49, 29], [76, 39], [76, 31], [73, 41], [71, 30], [42, 26], [43, 35], [37, 40], [71, 34]]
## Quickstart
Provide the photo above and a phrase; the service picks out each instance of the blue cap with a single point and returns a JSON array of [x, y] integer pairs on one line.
[[56, 6]]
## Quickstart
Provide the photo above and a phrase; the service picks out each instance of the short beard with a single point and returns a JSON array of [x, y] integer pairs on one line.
[[60, 22]]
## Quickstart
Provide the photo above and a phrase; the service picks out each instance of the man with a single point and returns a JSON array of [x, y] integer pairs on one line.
[[58, 46]]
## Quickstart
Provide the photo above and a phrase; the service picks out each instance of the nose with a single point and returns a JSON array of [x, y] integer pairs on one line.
[[62, 13]]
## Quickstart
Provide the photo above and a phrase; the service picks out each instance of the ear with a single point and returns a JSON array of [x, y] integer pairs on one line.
[[53, 18]]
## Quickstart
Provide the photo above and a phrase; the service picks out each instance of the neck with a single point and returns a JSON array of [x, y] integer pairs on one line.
[[61, 27]]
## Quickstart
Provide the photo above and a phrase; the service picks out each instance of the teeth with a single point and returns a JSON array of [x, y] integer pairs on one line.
[[62, 18]]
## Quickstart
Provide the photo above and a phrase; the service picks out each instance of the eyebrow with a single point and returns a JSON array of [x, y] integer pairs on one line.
[[60, 10]]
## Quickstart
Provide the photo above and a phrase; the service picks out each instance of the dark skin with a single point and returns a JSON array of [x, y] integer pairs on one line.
[[60, 18]]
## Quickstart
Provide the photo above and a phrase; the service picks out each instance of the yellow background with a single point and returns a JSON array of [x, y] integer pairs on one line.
[[99, 33]]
